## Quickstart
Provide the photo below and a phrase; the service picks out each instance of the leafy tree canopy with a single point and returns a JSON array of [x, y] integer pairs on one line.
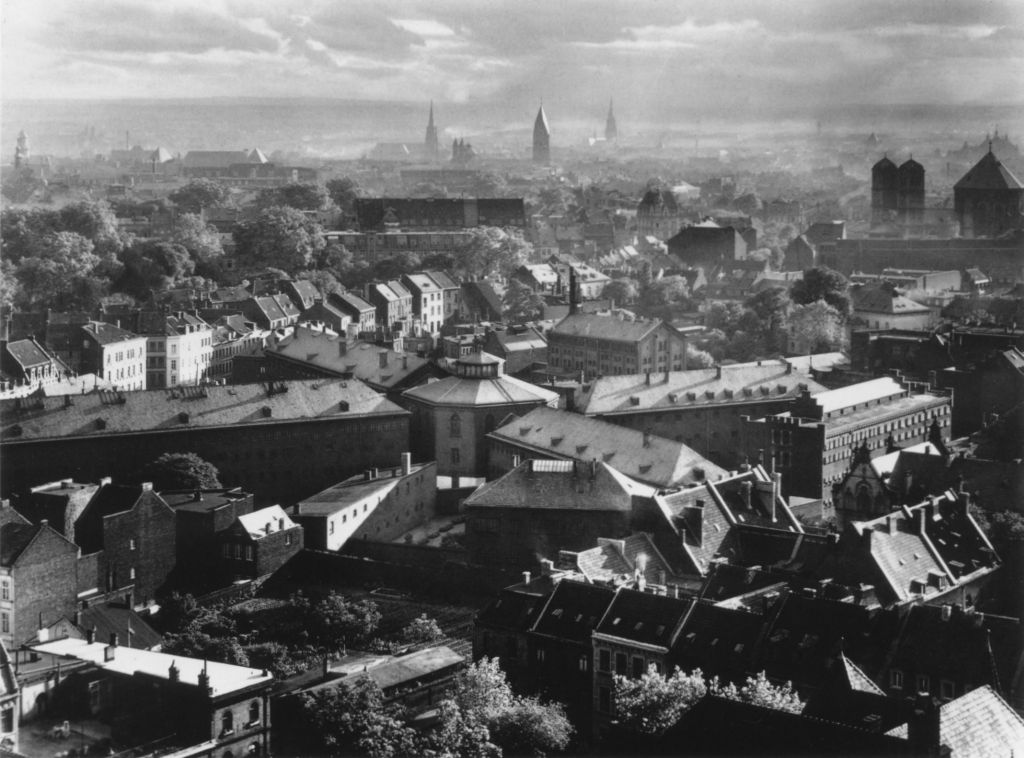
[[181, 471], [278, 237], [822, 283], [521, 303], [199, 194], [303, 197]]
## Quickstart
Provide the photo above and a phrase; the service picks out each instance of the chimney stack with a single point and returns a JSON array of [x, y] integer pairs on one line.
[[526, 577], [90, 635], [406, 464], [647, 439], [173, 673], [113, 639]]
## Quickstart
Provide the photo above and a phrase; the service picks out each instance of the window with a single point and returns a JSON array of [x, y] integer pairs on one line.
[[896, 679], [604, 660], [5, 622], [227, 722], [131, 544], [5, 589], [288, 538], [254, 712], [540, 655], [455, 456], [620, 664], [131, 572], [923, 683], [7, 720], [455, 426], [330, 529], [583, 663], [947, 689], [638, 666]]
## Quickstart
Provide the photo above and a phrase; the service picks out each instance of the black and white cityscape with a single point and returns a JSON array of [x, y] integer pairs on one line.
[[467, 379]]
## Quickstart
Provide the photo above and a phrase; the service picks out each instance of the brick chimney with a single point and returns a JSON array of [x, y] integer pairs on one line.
[[406, 464]]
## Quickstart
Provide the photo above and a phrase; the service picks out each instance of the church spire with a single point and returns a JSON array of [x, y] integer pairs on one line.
[[541, 138], [611, 129], [431, 143]]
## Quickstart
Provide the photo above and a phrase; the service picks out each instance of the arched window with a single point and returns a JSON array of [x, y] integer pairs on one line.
[[227, 722], [455, 426], [254, 712]]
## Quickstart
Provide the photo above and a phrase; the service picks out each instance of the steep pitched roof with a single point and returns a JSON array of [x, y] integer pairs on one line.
[[462, 391], [978, 724], [987, 174], [106, 334], [259, 524], [656, 461], [644, 617], [573, 610], [28, 353]]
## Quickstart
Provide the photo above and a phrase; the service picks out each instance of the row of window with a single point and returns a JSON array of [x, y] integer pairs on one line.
[[947, 688]]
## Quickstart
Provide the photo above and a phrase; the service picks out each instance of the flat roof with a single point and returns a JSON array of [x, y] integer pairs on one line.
[[225, 678], [862, 392]]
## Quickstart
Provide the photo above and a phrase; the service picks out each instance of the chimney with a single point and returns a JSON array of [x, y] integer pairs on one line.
[[77, 618], [146, 486], [105, 481], [204, 681], [924, 725], [789, 367], [383, 359], [173, 673], [574, 305], [666, 374], [745, 489], [526, 577], [90, 635], [342, 348], [718, 371], [776, 490], [947, 612], [647, 378], [891, 524], [406, 464], [197, 496], [922, 519], [405, 362], [647, 439], [113, 639]]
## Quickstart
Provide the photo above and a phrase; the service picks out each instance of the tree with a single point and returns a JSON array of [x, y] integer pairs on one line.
[[653, 703], [195, 643], [10, 287], [491, 250], [59, 273], [278, 237], [817, 327], [199, 194], [325, 282], [697, 358], [303, 197], [531, 727], [201, 240], [665, 294], [622, 291], [521, 303], [153, 266], [344, 192], [822, 283], [181, 471], [759, 691], [334, 621], [96, 222], [771, 307], [394, 266], [422, 629], [724, 317]]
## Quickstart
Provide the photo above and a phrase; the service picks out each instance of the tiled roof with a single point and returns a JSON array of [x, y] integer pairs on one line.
[[192, 407], [28, 353], [106, 334], [978, 724], [614, 558], [351, 301], [112, 618], [213, 158], [460, 391], [594, 326], [442, 280], [321, 349], [512, 610], [989, 173], [881, 300], [573, 610], [561, 485], [737, 383], [14, 538], [339, 496], [482, 296], [857, 680], [560, 434], [643, 617], [718, 640]]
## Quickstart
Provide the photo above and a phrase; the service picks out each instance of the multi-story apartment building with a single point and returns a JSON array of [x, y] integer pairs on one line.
[[813, 442], [114, 354], [179, 349], [594, 344], [427, 300]]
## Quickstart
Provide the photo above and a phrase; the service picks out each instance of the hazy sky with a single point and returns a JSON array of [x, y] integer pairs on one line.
[[746, 53]]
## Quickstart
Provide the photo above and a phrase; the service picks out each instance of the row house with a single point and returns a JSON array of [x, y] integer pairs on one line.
[[392, 301], [113, 354], [258, 543], [427, 300], [233, 336], [362, 313], [179, 348]]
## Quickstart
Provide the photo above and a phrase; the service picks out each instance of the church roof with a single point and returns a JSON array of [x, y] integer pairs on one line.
[[541, 123], [884, 165], [988, 174]]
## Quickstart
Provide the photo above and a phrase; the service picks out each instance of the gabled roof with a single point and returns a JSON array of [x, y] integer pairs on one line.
[[351, 302], [354, 490], [559, 485], [512, 609], [265, 521], [644, 617], [573, 610], [442, 280], [106, 334], [464, 391], [882, 300], [988, 174], [113, 618], [560, 434], [28, 353], [978, 724], [213, 158]]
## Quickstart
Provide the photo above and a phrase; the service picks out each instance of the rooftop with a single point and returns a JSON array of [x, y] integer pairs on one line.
[[855, 394], [738, 383], [356, 489], [595, 326], [169, 410], [224, 678], [266, 521]]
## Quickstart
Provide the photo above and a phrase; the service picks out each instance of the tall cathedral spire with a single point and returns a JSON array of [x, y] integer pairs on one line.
[[541, 138], [431, 139], [611, 130]]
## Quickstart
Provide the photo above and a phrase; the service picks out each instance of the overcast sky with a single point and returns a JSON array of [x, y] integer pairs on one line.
[[749, 53]]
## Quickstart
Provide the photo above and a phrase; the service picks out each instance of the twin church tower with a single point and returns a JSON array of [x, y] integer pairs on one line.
[[541, 135]]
